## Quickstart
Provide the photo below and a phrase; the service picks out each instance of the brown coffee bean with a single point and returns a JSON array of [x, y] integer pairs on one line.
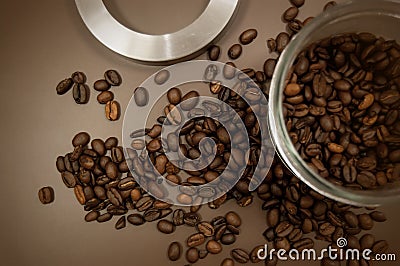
[[269, 67], [284, 229], [105, 97], [69, 179], [195, 240], [213, 52], [174, 251], [305, 243], [233, 218], [228, 239], [121, 223], [165, 226], [104, 217], [235, 51], [365, 221], [205, 228], [192, 255], [292, 89], [81, 93], [174, 96], [227, 262], [112, 110], [81, 139], [282, 40], [101, 85], [367, 241], [136, 219], [111, 142], [92, 216], [248, 36], [64, 86], [213, 247], [79, 77], [113, 77], [378, 216], [297, 3], [290, 14], [240, 255], [46, 195]]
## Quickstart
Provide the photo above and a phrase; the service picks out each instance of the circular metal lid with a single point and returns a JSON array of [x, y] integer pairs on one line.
[[157, 49]]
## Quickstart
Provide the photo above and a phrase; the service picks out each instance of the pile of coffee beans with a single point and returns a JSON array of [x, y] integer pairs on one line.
[[296, 215], [341, 108]]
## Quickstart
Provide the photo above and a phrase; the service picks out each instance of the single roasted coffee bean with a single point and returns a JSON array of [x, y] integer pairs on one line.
[[290, 14], [105, 97], [227, 262], [101, 85], [79, 77], [64, 86], [81, 93], [104, 217], [81, 139], [269, 67], [214, 52], [282, 40], [112, 110], [191, 218], [195, 240], [46, 195], [233, 218], [174, 251], [213, 247], [378, 216], [235, 51], [136, 219], [365, 221], [113, 77], [178, 217], [141, 96], [69, 179], [248, 36], [174, 96], [165, 226], [121, 223], [297, 3], [240, 255], [205, 228], [228, 239], [92, 216]]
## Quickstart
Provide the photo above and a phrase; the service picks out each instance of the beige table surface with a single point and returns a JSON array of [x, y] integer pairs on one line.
[[42, 42]]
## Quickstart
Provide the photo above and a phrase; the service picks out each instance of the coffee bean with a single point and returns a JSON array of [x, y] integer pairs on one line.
[[105, 97], [92, 216], [121, 223], [113, 77], [195, 240], [284, 229], [290, 14], [161, 77], [174, 96], [189, 100], [297, 3], [101, 85], [104, 217], [191, 218], [46, 195], [228, 239], [365, 221], [64, 86], [111, 142], [240, 255], [269, 67], [227, 262], [213, 52], [192, 255], [81, 139], [282, 41], [79, 77], [248, 36], [174, 251], [229, 70], [378, 216], [367, 241], [81, 93], [136, 219], [213, 247], [205, 228], [165, 226], [235, 51]]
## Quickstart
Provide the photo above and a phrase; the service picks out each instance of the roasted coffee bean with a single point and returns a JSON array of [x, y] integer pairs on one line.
[[111, 142], [92, 216], [189, 100], [228, 239], [205, 228], [60, 164], [213, 247], [64, 86], [282, 41], [229, 70], [191, 218], [240, 255], [104, 217], [192, 255], [269, 67], [101, 85], [141, 96], [165, 226], [365, 221], [113, 77], [81, 93], [79, 77], [105, 97], [121, 223], [254, 254], [112, 110], [290, 14], [174, 251], [136, 219], [178, 217], [248, 36], [46, 195], [297, 3], [213, 52], [174, 96], [378, 216], [161, 77], [69, 179], [195, 240], [367, 241], [283, 229], [81, 139], [144, 203], [227, 262], [235, 51]]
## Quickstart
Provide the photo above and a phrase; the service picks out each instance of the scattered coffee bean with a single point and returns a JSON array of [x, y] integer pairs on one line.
[[174, 251], [235, 51], [248, 36], [240, 255], [112, 110], [141, 96], [192, 255], [46, 195], [113, 77], [105, 97], [64, 86], [166, 227], [81, 93], [101, 85], [213, 247], [213, 52]]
